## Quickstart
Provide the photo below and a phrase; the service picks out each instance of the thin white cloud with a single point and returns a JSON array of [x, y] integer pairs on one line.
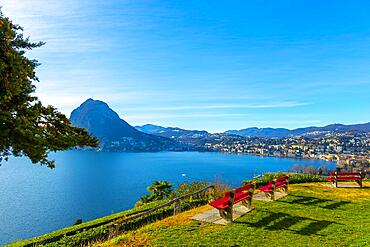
[[271, 123], [286, 104], [151, 117], [61, 24]]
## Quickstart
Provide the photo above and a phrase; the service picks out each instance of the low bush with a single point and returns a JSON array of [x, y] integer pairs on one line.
[[159, 190], [187, 188]]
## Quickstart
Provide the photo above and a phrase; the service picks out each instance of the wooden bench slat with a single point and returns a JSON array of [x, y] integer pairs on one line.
[[348, 178]]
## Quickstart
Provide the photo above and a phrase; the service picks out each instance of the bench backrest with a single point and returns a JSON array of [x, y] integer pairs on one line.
[[271, 182], [249, 188], [348, 173], [344, 174], [282, 179], [244, 188], [227, 194]]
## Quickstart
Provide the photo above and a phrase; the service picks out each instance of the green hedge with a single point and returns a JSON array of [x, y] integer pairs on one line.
[[72, 230], [94, 232], [294, 178]]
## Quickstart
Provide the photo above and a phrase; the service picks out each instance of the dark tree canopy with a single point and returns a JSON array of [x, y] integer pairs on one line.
[[26, 126]]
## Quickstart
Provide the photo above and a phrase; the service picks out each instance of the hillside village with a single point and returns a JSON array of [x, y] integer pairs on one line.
[[345, 148]]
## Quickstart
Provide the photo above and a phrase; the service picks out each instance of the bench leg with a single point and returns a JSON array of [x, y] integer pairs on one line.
[[359, 182], [226, 214], [333, 183], [247, 203], [285, 189], [270, 195]]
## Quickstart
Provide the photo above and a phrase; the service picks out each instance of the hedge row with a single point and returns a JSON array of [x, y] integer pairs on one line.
[[101, 232], [294, 178], [72, 230]]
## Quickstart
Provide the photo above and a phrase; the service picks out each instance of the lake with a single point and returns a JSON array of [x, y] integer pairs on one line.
[[35, 200]]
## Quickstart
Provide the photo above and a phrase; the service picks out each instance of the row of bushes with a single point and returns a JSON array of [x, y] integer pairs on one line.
[[98, 229], [102, 232], [294, 178]]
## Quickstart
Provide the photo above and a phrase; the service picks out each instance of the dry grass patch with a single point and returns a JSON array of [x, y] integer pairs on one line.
[[182, 218], [129, 239], [141, 237]]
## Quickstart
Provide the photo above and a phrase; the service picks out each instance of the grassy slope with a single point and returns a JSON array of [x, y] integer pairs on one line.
[[312, 215]]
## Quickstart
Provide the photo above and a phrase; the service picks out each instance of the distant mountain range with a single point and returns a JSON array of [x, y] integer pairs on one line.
[[281, 132], [115, 134], [170, 132], [254, 131]]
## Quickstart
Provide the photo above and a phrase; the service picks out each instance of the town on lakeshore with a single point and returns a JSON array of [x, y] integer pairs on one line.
[[346, 148]]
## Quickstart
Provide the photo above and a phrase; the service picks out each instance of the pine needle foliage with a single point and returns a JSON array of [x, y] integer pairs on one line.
[[28, 128]]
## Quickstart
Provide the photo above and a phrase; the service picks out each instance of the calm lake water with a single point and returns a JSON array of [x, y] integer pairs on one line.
[[35, 200]]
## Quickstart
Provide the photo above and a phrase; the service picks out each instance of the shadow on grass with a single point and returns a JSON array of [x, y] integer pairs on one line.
[[364, 188], [314, 227], [282, 221], [314, 201], [306, 200], [335, 205]]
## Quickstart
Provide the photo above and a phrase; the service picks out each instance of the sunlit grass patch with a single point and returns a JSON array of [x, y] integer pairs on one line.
[[348, 194], [312, 215]]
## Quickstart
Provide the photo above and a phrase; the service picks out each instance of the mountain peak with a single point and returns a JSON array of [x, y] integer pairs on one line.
[[91, 101], [101, 120], [115, 133]]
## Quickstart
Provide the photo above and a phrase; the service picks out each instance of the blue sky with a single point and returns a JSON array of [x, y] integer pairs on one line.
[[212, 65]]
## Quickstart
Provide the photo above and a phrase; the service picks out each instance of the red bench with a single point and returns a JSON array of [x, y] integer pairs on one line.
[[276, 184], [335, 177], [225, 204]]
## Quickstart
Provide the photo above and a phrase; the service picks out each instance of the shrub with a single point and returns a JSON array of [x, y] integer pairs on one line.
[[220, 188], [159, 191], [77, 222], [187, 188]]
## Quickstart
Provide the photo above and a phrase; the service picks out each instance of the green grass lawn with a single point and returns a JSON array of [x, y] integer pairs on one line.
[[312, 215]]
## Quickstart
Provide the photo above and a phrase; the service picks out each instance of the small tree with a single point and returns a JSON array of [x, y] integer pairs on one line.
[[296, 168], [26, 126], [160, 189]]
